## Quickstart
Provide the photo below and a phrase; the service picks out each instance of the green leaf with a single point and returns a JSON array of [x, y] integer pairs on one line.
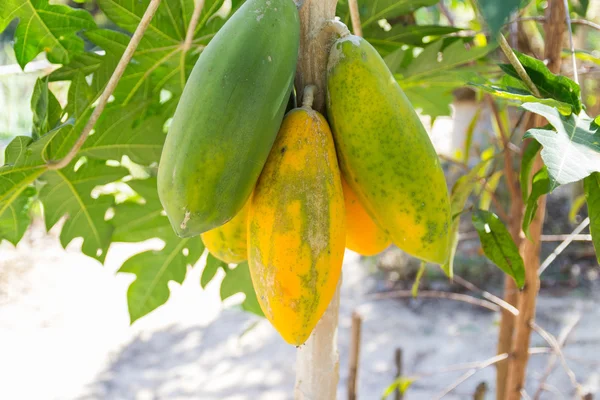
[[576, 206], [210, 269], [441, 56], [45, 27], [15, 218], [400, 35], [69, 192], [458, 198], [591, 186], [135, 222], [144, 139], [527, 161], [372, 11], [496, 12], [25, 162], [498, 245], [415, 286], [46, 109], [550, 86], [539, 187], [490, 187], [573, 151], [518, 96], [401, 385], [238, 280], [154, 270]]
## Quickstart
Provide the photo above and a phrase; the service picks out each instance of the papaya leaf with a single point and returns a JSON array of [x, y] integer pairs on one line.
[[69, 192], [498, 245], [45, 27], [539, 187], [591, 185], [143, 141], [496, 13], [45, 107], [15, 218], [371, 11], [25, 162], [210, 269], [550, 86], [572, 152], [443, 55], [527, 160], [399, 35], [458, 198], [238, 280], [135, 221], [154, 269]]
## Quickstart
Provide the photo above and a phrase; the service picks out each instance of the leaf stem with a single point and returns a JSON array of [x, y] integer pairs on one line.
[[570, 30], [355, 17], [189, 36], [514, 61], [110, 86]]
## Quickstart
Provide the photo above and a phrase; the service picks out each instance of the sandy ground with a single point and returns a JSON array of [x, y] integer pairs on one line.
[[65, 334]]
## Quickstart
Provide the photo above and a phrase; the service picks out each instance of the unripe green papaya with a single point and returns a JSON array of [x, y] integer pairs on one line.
[[228, 116], [385, 154]]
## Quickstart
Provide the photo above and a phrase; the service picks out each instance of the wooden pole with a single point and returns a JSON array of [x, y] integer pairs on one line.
[[354, 355], [398, 359]]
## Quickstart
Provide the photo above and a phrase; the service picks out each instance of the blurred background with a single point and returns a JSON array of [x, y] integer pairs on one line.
[[64, 324]]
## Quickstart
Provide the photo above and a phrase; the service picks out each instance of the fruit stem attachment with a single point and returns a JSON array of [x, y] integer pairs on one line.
[[336, 27], [309, 96]]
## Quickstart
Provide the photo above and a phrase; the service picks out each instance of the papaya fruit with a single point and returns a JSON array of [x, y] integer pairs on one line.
[[363, 235], [228, 116], [229, 242], [384, 152], [296, 233]]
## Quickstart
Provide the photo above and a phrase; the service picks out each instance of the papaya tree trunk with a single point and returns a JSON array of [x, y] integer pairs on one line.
[[530, 249], [317, 361]]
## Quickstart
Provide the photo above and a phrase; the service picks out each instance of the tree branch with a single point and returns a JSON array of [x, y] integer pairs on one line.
[[559, 249], [110, 86]]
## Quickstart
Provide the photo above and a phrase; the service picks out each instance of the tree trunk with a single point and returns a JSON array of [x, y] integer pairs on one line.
[[317, 361], [530, 249]]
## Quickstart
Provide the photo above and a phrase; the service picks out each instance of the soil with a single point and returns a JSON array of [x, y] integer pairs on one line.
[[65, 334]]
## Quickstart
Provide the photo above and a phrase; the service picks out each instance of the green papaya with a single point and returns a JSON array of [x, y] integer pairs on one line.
[[228, 116], [385, 154]]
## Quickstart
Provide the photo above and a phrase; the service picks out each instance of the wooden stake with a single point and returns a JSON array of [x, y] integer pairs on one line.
[[354, 355], [398, 358]]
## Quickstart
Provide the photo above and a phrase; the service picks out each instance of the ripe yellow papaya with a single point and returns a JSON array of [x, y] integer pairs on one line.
[[228, 116], [296, 232], [229, 242], [362, 233], [385, 154]]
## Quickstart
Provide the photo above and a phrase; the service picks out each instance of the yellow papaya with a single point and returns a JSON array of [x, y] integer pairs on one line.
[[384, 152], [296, 233], [229, 242], [363, 235]]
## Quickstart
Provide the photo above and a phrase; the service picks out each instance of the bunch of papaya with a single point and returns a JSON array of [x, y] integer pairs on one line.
[[290, 192]]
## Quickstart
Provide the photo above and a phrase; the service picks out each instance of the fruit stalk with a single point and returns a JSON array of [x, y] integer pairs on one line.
[[317, 362]]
